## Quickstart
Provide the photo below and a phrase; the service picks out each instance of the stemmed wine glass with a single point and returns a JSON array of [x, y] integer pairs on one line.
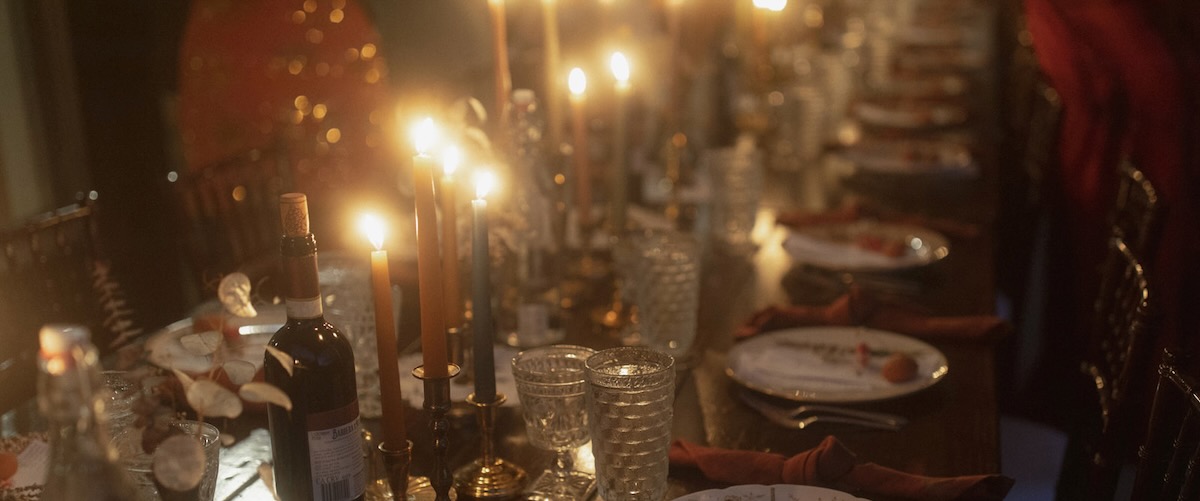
[[551, 385]]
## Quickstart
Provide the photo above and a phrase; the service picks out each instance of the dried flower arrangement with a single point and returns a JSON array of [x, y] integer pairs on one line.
[[178, 458]]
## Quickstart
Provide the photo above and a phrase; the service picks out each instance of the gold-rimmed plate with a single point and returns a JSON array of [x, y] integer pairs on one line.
[[866, 246], [770, 492], [818, 364]]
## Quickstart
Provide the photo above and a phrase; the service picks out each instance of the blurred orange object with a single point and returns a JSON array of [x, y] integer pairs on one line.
[[8, 465]]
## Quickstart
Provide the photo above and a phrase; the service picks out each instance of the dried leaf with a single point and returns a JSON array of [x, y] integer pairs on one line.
[[239, 372], [284, 359], [234, 293], [267, 474], [258, 392], [179, 462], [211, 399], [201, 343], [184, 379]]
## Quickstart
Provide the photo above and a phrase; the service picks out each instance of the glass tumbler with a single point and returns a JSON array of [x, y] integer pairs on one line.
[[737, 175], [666, 283], [630, 397], [551, 383], [346, 296], [122, 394], [139, 464]]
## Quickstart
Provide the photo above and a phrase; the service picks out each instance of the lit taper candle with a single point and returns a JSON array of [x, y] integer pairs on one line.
[[577, 83], [451, 289], [394, 433], [617, 189], [429, 273], [500, 57], [550, 58], [481, 289]]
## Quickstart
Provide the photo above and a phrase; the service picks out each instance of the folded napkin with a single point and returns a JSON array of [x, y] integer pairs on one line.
[[857, 307], [832, 465], [856, 210]]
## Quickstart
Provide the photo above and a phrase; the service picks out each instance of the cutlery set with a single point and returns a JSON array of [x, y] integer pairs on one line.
[[806, 415]]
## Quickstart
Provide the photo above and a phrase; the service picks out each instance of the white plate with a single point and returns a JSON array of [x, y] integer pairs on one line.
[[850, 247], [163, 348], [770, 493], [910, 115], [817, 364], [912, 157]]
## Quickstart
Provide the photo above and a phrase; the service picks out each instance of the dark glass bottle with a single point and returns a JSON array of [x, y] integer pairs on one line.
[[317, 446], [83, 465]]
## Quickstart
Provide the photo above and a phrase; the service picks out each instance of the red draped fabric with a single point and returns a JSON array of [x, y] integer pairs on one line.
[[1126, 92]]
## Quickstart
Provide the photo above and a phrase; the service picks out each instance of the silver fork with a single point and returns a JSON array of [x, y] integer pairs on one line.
[[805, 415]]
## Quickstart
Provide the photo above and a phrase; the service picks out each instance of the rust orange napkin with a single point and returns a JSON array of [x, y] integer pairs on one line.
[[871, 312], [855, 210], [832, 465]]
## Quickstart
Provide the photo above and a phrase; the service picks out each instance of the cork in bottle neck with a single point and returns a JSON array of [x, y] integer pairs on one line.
[[293, 213]]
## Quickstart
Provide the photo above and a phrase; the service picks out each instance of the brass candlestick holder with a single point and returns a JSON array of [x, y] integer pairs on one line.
[[489, 477], [437, 404], [389, 478], [395, 465], [456, 348]]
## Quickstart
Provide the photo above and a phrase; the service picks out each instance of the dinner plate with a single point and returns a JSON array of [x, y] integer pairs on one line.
[[817, 364], [31, 450], [165, 350], [904, 114], [866, 246], [913, 157], [779, 492]]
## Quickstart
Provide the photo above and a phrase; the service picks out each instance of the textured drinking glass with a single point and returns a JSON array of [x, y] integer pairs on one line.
[[666, 284], [128, 444], [737, 178], [118, 408], [551, 383], [630, 396]]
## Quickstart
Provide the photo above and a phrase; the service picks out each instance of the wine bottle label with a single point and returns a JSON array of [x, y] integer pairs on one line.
[[336, 455], [304, 308]]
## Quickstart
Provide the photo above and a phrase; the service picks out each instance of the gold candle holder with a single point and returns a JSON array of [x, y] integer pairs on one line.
[[489, 477], [437, 404], [395, 465]]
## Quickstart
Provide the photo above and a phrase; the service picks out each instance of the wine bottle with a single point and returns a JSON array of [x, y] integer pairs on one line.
[[317, 445], [83, 466]]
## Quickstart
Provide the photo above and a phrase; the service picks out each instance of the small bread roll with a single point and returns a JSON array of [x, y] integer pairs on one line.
[[898, 368]]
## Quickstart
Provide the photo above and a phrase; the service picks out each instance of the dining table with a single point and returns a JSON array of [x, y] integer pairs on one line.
[[952, 426]]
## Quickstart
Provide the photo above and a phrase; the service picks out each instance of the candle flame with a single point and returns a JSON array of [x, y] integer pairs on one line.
[[451, 159], [424, 135], [372, 226], [577, 81], [771, 5], [620, 67], [484, 182]]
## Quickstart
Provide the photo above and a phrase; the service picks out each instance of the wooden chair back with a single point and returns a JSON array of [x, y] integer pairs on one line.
[[1169, 458], [1122, 312], [1135, 215], [46, 276], [1117, 351], [229, 215]]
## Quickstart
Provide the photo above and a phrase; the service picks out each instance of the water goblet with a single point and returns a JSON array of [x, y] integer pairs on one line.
[[551, 383]]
